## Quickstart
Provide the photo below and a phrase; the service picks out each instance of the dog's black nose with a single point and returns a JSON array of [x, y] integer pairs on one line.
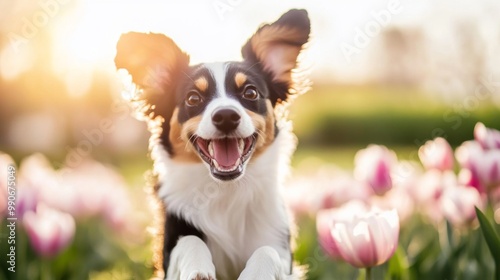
[[226, 120]]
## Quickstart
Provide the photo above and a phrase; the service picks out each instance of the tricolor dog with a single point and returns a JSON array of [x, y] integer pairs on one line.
[[220, 146]]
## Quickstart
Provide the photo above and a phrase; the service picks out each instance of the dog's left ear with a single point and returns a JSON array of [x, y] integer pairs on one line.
[[276, 47]]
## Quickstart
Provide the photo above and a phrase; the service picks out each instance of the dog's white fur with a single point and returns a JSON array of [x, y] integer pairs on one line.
[[191, 260], [245, 221]]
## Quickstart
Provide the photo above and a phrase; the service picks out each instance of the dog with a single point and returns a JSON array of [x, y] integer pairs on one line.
[[220, 146]]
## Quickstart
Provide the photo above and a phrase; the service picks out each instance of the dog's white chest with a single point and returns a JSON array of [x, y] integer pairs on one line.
[[236, 217], [235, 230]]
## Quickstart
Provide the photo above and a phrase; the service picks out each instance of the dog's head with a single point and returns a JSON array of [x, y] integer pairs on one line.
[[221, 114]]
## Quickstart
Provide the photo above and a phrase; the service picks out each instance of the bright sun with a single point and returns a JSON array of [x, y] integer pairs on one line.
[[84, 38]]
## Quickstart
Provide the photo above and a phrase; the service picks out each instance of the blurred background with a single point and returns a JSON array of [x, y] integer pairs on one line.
[[386, 72], [395, 73]]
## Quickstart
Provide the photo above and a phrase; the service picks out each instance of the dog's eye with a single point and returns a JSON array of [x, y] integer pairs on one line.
[[193, 98], [250, 93]]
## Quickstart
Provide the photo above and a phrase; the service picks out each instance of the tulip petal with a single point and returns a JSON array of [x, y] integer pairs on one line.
[[49, 230], [364, 244], [325, 239], [341, 235], [368, 240]]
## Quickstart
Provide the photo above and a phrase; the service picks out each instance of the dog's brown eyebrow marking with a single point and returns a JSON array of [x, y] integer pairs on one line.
[[201, 83], [240, 79]]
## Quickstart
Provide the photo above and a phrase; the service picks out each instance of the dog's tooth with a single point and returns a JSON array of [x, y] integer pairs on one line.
[[211, 149], [241, 145]]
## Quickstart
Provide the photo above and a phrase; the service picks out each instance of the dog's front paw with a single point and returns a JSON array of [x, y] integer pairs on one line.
[[201, 276]]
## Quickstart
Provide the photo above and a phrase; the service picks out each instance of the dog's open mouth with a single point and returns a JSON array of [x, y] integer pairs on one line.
[[226, 156]]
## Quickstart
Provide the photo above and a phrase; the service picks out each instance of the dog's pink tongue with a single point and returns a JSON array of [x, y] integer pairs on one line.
[[226, 151]]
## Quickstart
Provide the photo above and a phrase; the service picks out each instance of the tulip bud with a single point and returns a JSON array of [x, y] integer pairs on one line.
[[470, 156], [324, 224], [49, 230], [373, 165], [484, 165], [325, 220], [467, 178], [487, 137], [489, 172], [367, 240], [26, 200], [458, 204], [436, 154]]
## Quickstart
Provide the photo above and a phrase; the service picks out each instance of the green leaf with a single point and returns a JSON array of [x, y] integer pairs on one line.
[[449, 233], [492, 240], [398, 266]]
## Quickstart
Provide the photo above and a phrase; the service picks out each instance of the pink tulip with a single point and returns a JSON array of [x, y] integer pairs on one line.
[[26, 200], [373, 165], [339, 189], [397, 198], [324, 228], [436, 154], [49, 230], [298, 195], [484, 166], [36, 179], [406, 173], [487, 137], [431, 185], [117, 212], [489, 172], [327, 188], [37, 171], [87, 190], [105, 190], [367, 240], [458, 204], [470, 156], [104, 194], [325, 220], [429, 190]]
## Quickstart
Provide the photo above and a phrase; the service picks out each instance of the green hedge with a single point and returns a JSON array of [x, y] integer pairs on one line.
[[357, 115], [391, 129]]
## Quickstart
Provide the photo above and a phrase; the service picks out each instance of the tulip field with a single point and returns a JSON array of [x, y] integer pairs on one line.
[[391, 219], [387, 219], [74, 223], [374, 214]]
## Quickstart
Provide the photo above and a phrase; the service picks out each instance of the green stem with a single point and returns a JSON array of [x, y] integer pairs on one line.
[[22, 247], [368, 273], [45, 271]]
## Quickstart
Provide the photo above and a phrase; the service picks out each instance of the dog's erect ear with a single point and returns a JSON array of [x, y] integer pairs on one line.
[[276, 47], [153, 60], [155, 63]]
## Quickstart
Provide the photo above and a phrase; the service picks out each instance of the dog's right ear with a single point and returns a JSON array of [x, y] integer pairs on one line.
[[276, 47], [155, 62]]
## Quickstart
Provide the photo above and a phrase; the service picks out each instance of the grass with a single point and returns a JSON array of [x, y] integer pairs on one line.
[[341, 156]]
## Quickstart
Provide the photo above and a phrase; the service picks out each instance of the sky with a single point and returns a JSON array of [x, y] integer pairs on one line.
[[84, 33]]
